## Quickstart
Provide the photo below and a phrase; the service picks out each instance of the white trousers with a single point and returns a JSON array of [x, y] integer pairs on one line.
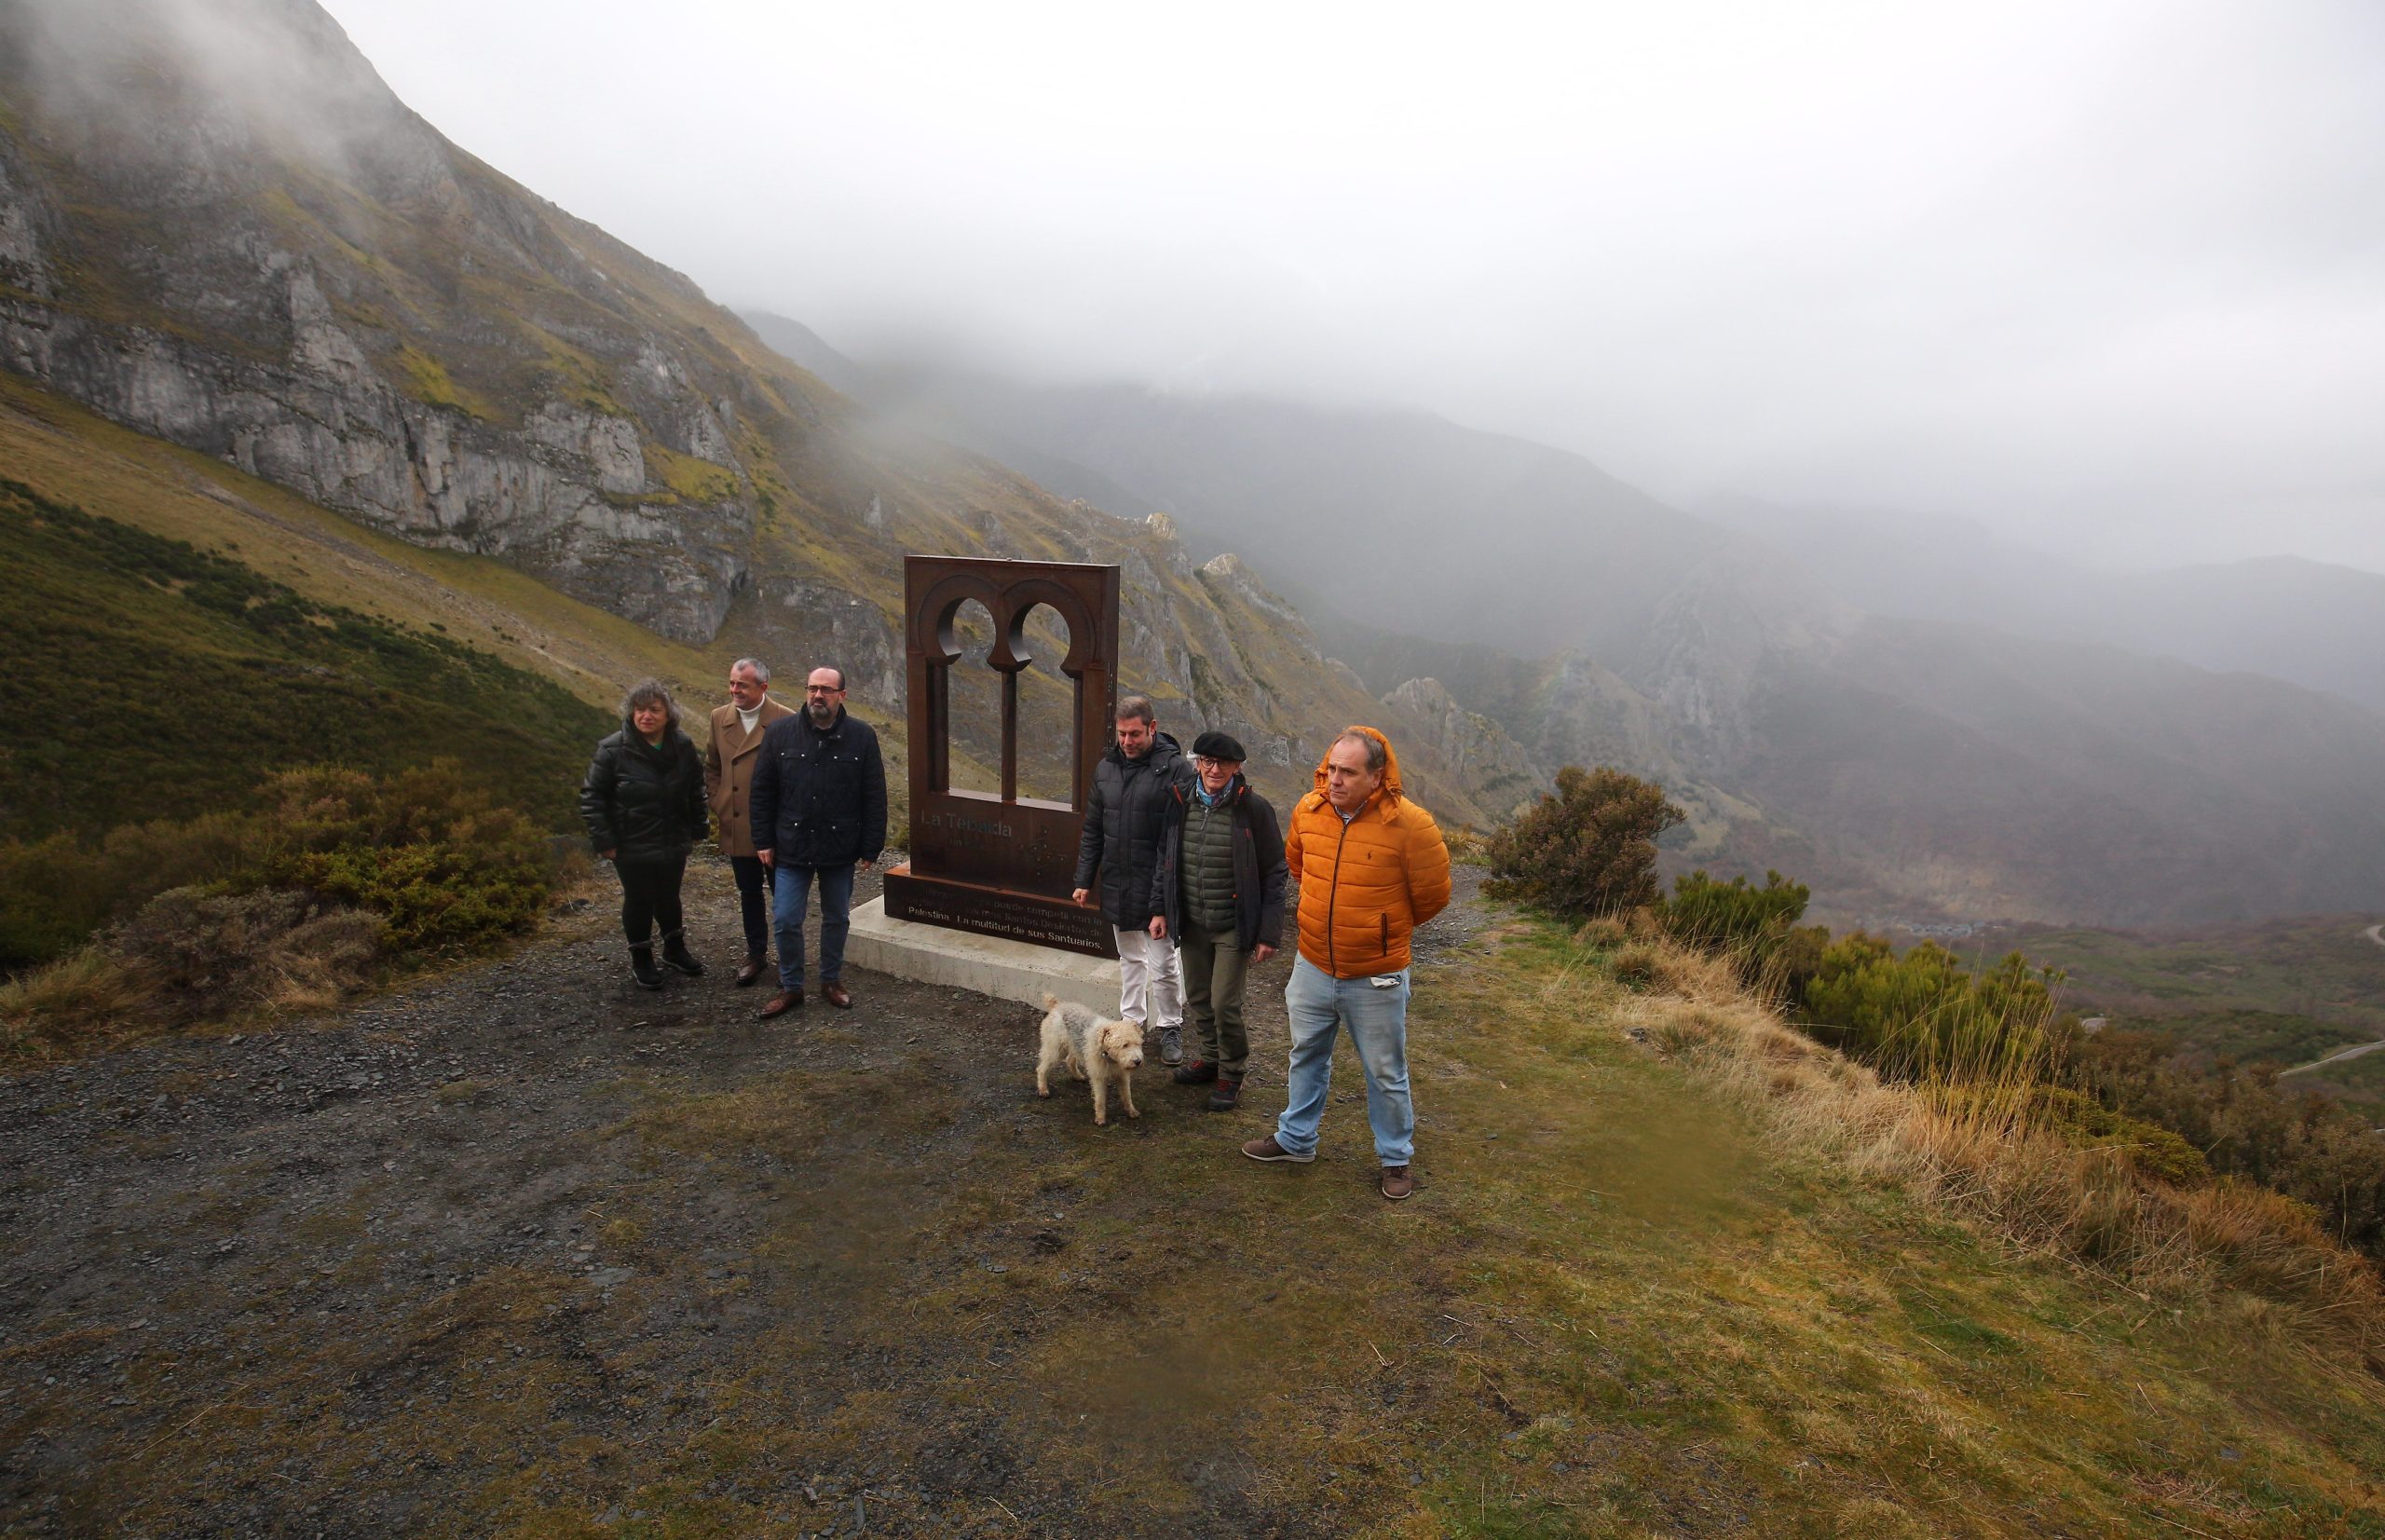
[[1150, 986]]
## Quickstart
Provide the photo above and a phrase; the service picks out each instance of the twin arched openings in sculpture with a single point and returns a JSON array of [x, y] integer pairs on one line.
[[1002, 864]]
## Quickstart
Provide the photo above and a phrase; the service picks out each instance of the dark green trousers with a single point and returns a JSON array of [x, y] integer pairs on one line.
[[1214, 966]]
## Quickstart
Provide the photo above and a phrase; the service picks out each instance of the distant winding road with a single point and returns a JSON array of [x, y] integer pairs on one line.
[[2376, 933]]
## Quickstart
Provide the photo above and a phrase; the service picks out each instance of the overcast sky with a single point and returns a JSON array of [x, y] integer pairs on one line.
[[2110, 276]]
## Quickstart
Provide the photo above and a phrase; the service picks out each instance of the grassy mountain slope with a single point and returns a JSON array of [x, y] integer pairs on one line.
[[182, 676], [64, 452]]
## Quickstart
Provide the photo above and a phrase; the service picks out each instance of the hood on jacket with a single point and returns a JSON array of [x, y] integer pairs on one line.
[[1389, 791], [1159, 741]]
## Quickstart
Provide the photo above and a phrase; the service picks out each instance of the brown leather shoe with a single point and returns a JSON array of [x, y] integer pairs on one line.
[[1396, 1182], [836, 994], [781, 1003], [1267, 1149], [752, 971]]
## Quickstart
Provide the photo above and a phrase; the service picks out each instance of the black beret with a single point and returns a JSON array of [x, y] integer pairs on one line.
[[1219, 745]]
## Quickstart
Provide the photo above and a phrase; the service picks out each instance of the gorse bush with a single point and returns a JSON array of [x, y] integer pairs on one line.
[[1924, 1015], [1587, 848], [339, 874], [1750, 925], [1755, 928], [56, 892], [424, 847]]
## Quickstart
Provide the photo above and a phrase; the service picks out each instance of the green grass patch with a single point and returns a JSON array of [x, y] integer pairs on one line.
[[184, 679], [427, 380], [693, 479]]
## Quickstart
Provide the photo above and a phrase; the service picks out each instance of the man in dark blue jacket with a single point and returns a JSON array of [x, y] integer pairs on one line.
[[818, 810]]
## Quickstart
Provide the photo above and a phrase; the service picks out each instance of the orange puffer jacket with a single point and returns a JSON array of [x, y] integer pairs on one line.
[[1364, 884]]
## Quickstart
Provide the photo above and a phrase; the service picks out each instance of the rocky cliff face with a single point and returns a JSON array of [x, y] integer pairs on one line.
[[1479, 747], [240, 240], [233, 236]]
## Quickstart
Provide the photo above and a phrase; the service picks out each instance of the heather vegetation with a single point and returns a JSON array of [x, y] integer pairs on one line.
[[177, 680], [2154, 1138], [336, 880]]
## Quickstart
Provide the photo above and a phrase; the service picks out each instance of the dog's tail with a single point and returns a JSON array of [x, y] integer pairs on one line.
[[1051, 1003]]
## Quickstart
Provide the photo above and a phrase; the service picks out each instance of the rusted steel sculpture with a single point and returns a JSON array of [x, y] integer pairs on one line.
[[1003, 864]]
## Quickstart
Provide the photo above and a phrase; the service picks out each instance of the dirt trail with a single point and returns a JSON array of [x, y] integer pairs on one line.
[[490, 1248]]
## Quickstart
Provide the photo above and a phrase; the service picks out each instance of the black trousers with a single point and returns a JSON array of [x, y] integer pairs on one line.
[[753, 897], [650, 894]]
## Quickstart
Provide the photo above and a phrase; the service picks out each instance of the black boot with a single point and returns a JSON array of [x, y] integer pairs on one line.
[[1226, 1095], [1199, 1072], [676, 953], [642, 968]]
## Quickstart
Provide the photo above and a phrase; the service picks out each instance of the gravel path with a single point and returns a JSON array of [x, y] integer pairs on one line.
[[348, 1277]]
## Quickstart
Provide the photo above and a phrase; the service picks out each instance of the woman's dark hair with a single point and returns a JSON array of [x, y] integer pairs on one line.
[[648, 693]]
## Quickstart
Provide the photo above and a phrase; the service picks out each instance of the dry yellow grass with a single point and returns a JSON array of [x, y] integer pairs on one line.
[[1984, 1155]]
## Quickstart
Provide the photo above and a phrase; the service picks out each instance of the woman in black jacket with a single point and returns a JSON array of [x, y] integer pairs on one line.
[[644, 804]]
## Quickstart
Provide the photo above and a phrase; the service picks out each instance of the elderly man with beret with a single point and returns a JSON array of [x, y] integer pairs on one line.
[[1219, 892]]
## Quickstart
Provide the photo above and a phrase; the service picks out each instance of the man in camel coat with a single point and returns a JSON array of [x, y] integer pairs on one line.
[[729, 780]]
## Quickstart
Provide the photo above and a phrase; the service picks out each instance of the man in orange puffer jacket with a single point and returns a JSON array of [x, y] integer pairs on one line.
[[1372, 868]]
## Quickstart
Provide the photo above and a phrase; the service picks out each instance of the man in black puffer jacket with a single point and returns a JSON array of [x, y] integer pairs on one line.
[[817, 810], [1132, 787], [643, 800]]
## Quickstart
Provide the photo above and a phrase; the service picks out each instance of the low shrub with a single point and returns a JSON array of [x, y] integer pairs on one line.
[[289, 908], [203, 955], [1587, 848], [1925, 1016], [1733, 916], [2083, 1121]]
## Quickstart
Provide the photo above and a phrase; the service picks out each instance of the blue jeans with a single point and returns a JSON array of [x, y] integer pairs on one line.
[[1377, 1018], [790, 899]]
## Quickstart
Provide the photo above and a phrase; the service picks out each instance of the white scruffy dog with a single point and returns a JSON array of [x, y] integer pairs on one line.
[[1095, 1049]]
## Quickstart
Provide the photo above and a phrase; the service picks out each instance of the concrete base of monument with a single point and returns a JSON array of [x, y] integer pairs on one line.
[[990, 965]]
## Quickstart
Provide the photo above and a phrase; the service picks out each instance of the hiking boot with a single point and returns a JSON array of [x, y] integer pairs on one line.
[[675, 955], [1226, 1095], [1171, 1045], [1396, 1182], [642, 968], [1199, 1072], [752, 971], [1267, 1149]]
